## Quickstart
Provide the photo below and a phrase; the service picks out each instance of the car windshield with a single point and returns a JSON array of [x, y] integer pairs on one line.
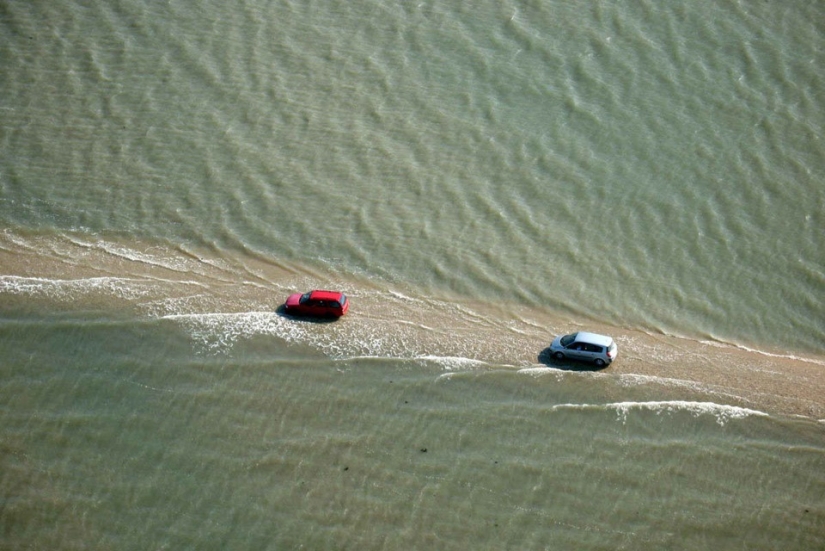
[[304, 298], [568, 339]]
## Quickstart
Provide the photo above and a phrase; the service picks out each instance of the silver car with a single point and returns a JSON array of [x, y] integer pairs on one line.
[[588, 347]]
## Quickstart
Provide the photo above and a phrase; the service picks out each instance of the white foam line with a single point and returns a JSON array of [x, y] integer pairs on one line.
[[418, 325], [128, 288], [366, 357], [174, 281], [781, 356], [37, 285], [559, 374], [716, 390], [401, 296], [474, 316], [722, 412], [63, 281], [452, 362], [214, 315], [540, 370], [510, 326], [177, 265], [638, 379]]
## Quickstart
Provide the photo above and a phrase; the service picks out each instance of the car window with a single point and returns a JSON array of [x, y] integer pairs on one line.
[[304, 298], [568, 339]]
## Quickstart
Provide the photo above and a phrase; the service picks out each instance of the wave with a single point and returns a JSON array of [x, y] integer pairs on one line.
[[794, 357], [452, 362], [722, 412], [130, 288]]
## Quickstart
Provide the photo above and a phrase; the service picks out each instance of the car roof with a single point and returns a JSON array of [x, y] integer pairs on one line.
[[593, 338], [320, 294]]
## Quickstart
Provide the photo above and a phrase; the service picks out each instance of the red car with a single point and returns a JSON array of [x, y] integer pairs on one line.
[[321, 304]]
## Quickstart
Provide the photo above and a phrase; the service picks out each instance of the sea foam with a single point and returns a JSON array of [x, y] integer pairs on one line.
[[722, 412], [70, 288]]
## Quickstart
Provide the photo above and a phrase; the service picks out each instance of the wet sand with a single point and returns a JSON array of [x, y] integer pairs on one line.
[[63, 275], [768, 382]]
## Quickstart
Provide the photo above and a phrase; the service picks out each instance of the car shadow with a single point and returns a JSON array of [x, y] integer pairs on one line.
[[546, 358], [281, 311]]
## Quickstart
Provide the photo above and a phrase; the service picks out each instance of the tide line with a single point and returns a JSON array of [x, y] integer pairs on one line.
[[722, 412]]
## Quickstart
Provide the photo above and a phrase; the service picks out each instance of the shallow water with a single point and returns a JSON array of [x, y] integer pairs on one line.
[[275, 446], [477, 180]]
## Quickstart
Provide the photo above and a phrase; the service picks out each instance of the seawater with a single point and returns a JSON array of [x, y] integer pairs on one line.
[[478, 178]]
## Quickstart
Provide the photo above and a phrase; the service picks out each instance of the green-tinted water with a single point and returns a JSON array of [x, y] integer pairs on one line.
[[478, 179]]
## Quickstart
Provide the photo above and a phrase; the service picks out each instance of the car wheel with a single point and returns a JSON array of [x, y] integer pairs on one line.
[[599, 362], [558, 356]]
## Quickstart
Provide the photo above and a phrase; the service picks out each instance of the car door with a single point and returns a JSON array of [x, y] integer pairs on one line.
[[325, 308], [592, 351], [575, 351], [313, 307]]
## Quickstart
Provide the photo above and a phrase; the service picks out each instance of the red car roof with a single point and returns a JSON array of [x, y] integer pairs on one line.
[[325, 295]]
